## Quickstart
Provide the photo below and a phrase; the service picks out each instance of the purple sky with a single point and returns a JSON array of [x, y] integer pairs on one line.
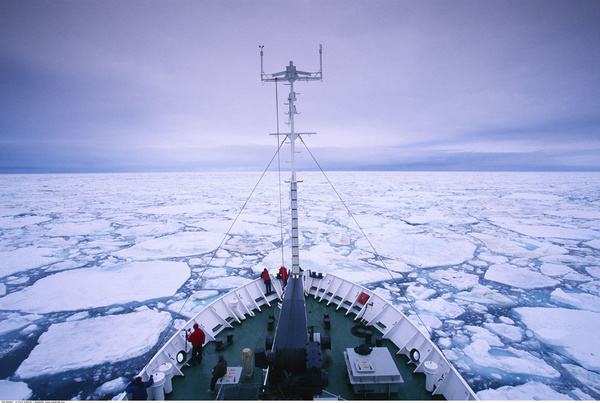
[[174, 85]]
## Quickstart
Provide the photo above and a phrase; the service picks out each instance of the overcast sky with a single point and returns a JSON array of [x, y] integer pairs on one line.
[[174, 85]]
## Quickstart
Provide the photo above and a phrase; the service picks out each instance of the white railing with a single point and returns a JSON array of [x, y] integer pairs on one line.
[[239, 304], [394, 326]]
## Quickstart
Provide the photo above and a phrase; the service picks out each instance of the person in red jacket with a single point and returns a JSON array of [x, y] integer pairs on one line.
[[197, 338], [267, 279], [283, 275]]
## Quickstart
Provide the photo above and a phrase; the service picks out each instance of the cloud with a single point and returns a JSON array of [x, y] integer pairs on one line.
[[116, 86]]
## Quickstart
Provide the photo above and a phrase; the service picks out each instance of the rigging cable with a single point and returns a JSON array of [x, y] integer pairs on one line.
[[377, 255], [207, 266], [279, 168]]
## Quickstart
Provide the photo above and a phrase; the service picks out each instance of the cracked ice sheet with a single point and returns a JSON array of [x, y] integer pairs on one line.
[[78, 228], [423, 250], [90, 342], [568, 330], [10, 390], [21, 221], [520, 277], [22, 259], [528, 391], [13, 321], [579, 300], [545, 231], [177, 245], [99, 286], [509, 359]]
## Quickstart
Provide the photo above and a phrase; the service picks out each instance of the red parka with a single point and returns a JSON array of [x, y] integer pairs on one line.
[[197, 337], [283, 273]]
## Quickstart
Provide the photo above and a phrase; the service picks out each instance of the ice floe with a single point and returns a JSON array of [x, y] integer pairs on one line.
[[510, 332], [99, 286], [223, 283], [10, 390], [528, 391], [568, 330], [594, 243], [579, 300], [520, 277], [176, 245], [11, 322], [440, 307], [21, 259], [90, 342], [79, 228], [509, 359], [111, 387], [587, 378]]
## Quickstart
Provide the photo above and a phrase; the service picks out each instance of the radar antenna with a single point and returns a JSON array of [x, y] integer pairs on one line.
[[291, 74]]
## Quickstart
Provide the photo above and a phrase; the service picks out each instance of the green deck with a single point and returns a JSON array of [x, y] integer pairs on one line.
[[252, 333]]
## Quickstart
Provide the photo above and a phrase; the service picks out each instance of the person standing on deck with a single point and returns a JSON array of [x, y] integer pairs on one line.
[[267, 279], [283, 275], [197, 338], [219, 371]]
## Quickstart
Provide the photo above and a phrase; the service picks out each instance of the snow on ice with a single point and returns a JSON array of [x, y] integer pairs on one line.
[[569, 330], [90, 342], [520, 277], [10, 390], [21, 259], [529, 391], [99, 286], [176, 245], [455, 241]]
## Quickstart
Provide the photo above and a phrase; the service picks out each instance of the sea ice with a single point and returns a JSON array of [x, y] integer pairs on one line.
[[17, 260], [79, 228], [568, 330], [13, 321], [2, 289], [99, 286], [551, 269], [512, 333], [440, 307], [456, 278], [594, 243], [21, 221], [509, 360], [90, 342], [520, 277], [545, 231], [528, 391], [484, 295], [176, 245], [424, 250], [593, 271], [10, 390], [227, 282], [111, 387], [587, 378], [583, 301]]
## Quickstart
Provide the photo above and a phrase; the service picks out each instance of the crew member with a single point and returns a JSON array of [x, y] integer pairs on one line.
[[197, 338], [219, 371], [136, 390], [267, 279], [283, 275]]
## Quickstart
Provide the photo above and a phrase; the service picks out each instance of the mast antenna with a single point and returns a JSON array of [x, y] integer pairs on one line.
[[291, 74]]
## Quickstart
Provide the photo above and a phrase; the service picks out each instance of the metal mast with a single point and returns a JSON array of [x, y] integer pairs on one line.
[[291, 75]]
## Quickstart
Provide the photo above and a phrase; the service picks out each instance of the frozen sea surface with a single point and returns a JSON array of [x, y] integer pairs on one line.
[[503, 268]]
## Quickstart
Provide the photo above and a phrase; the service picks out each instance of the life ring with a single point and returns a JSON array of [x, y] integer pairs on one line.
[[414, 355], [180, 356]]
